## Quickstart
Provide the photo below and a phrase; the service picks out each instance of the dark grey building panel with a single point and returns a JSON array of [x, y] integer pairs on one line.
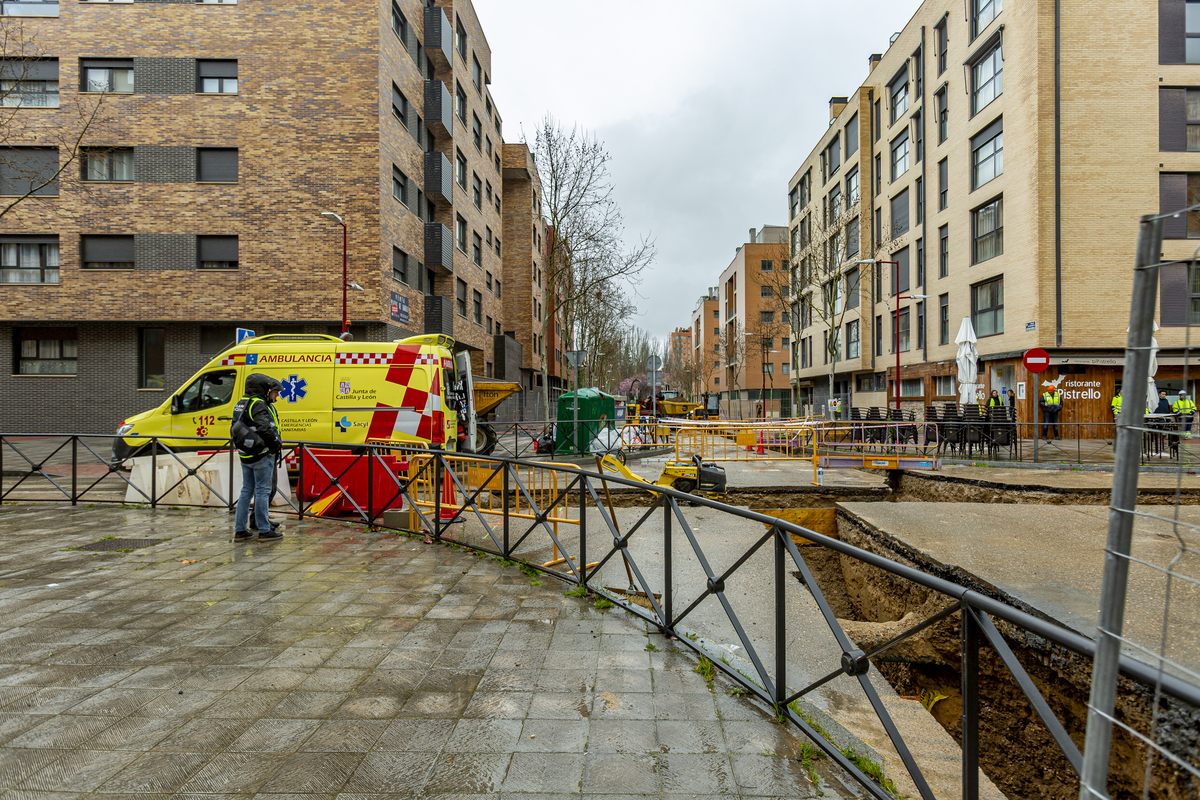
[[439, 179], [439, 314], [439, 109], [155, 164], [508, 357], [438, 36], [164, 75], [164, 251], [439, 246]]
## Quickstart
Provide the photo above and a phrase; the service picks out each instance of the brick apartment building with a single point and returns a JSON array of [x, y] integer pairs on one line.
[[226, 130], [706, 343], [1007, 196], [754, 339], [680, 354]]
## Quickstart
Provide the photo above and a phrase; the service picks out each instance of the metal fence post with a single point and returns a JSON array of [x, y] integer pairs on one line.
[[970, 703], [370, 485], [667, 571], [1093, 779], [74, 469], [231, 502], [780, 620], [582, 531], [506, 546], [299, 481], [154, 472], [437, 495]]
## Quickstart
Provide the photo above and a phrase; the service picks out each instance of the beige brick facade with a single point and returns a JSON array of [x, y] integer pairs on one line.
[[1109, 164]]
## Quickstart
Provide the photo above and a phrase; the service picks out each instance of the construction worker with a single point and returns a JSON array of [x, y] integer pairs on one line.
[[1116, 404], [1186, 410], [1051, 404]]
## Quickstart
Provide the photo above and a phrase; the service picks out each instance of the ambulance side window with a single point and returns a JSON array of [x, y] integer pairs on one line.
[[210, 390]]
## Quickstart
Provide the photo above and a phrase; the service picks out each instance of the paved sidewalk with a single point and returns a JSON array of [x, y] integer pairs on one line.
[[341, 663]]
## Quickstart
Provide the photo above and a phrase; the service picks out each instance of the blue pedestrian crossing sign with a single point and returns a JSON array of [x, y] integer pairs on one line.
[[244, 333]]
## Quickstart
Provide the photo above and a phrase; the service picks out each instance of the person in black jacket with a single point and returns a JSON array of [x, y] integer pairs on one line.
[[1164, 405], [255, 433]]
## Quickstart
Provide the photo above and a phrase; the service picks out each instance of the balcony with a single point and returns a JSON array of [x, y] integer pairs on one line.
[[439, 247], [438, 37], [439, 108], [439, 179], [439, 314]]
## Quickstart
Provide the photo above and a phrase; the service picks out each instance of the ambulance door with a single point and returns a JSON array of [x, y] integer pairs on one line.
[[306, 378], [205, 406], [466, 411]]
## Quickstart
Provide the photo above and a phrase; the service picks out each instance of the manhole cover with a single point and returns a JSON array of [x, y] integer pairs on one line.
[[119, 544]]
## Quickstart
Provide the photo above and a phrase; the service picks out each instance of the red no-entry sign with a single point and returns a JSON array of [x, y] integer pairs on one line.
[[1036, 360]]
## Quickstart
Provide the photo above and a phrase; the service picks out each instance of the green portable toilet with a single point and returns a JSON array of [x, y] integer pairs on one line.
[[593, 405]]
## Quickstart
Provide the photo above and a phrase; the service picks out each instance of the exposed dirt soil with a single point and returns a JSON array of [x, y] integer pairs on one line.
[[933, 488], [1016, 751]]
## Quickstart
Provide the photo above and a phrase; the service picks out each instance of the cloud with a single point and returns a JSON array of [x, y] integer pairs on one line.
[[708, 108]]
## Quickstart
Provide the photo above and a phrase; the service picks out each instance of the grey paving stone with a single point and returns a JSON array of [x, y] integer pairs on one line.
[[309, 705], [771, 776], [553, 736], [484, 736], [236, 773], [78, 771], [156, 772], [498, 705], [696, 774], [472, 773], [544, 772], [623, 705], [613, 773], [205, 735], [399, 774], [340, 735], [691, 736], [275, 735], [376, 706], [445, 705], [635, 736], [307, 773]]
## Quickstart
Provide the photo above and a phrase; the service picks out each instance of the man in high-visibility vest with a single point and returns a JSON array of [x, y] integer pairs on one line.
[[1186, 410], [1116, 405], [1051, 404]]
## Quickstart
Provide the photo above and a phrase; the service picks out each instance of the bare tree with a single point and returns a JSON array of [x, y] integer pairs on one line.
[[733, 355], [36, 151], [587, 257]]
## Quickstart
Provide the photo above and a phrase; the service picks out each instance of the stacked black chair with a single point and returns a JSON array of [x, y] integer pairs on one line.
[[876, 432], [932, 426]]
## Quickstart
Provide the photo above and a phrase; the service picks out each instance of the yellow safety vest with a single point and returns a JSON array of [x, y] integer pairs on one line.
[[1116, 404], [1052, 399], [1183, 407]]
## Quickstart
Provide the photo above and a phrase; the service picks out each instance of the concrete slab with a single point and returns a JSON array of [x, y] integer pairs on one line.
[[339, 660], [1051, 559]]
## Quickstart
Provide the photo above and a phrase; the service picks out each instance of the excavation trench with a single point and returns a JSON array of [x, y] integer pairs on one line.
[[1016, 751]]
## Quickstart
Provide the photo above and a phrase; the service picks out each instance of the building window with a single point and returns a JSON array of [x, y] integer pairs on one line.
[[497, 244], [107, 252], [399, 24], [29, 83], [987, 78], [1176, 191], [488, 326], [461, 297], [217, 164], [29, 170], [920, 193], [831, 158], [943, 251], [399, 105], [476, 73], [487, 192], [987, 154], [921, 261], [833, 204], [1191, 32], [29, 259], [477, 307], [476, 249], [106, 75], [476, 131], [878, 334], [852, 339], [152, 358], [912, 387], [460, 39], [217, 77], [766, 265], [399, 265], [983, 12], [943, 385], [878, 174], [900, 155], [460, 232], [30, 8], [766, 317], [852, 136], [943, 320], [900, 329], [460, 103], [987, 231], [900, 214], [987, 307], [46, 351], [918, 135], [898, 91], [793, 203], [476, 191], [765, 291], [943, 115], [399, 185], [852, 190], [217, 252], [943, 184], [102, 164], [942, 42], [460, 169]]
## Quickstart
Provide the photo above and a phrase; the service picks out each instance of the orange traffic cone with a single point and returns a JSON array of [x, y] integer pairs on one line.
[[449, 499], [761, 449]]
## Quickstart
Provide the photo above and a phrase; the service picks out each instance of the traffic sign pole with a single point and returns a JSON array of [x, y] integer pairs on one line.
[[1036, 361]]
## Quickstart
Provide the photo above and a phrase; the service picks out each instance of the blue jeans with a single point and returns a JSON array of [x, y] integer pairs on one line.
[[256, 483]]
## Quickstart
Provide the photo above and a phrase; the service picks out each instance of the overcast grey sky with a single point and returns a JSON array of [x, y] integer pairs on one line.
[[707, 106]]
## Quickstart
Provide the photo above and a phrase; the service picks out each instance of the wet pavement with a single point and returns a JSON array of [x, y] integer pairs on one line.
[[342, 663], [1051, 558]]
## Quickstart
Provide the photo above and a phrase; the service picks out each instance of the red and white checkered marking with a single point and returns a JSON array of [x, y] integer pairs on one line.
[[233, 361], [364, 358], [426, 359]]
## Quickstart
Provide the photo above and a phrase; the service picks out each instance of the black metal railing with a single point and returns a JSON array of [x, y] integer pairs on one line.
[[599, 536]]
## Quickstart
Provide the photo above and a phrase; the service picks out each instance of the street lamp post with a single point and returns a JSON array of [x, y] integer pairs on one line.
[[329, 215]]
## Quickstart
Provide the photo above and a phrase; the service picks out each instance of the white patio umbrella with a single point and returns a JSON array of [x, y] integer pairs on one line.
[[1152, 388], [968, 362]]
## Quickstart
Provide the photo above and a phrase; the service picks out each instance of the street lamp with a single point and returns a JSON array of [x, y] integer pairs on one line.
[[329, 215], [896, 316]]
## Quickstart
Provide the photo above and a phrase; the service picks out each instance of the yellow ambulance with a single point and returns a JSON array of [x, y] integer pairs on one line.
[[411, 390]]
